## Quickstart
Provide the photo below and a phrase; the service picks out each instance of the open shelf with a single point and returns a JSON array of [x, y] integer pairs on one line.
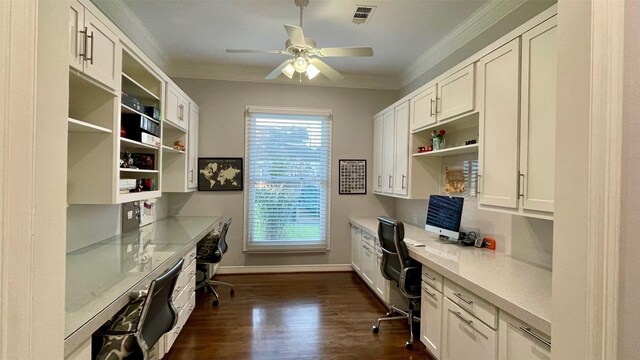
[[456, 124], [76, 125], [169, 125], [171, 150], [464, 149], [136, 144], [133, 88], [130, 170], [128, 110], [137, 196]]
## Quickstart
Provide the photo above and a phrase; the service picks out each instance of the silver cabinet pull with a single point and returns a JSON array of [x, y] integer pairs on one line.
[[390, 181], [520, 176], [84, 44], [528, 331], [430, 294], [379, 180], [459, 315], [90, 59], [191, 171], [429, 277], [461, 297], [431, 109], [403, 176], [438, 106], [478, 183]]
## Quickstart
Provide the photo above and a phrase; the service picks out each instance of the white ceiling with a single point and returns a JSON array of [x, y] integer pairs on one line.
[[199, 31]]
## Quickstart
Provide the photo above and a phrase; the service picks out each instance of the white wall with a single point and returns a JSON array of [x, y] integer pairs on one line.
[[221, 133]]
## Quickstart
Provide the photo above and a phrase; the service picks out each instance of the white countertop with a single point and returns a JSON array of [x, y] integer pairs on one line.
[[100, 276], [523, 290]]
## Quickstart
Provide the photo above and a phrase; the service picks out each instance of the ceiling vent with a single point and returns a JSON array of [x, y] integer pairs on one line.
[[363, 14]]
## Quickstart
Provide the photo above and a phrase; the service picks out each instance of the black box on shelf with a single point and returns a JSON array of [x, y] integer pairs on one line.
[[135, 123], [152, 111], [144, 161], [132, 102]]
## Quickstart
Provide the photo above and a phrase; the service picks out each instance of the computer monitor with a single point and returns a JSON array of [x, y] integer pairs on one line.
[[443, 216]]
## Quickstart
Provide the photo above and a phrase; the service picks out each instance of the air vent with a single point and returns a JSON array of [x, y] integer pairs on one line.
[[363, 14]]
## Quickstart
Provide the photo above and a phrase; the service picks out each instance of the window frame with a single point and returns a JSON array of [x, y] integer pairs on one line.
[[246, 244]]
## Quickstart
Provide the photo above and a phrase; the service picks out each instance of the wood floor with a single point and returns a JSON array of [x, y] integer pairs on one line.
[[292, 316]]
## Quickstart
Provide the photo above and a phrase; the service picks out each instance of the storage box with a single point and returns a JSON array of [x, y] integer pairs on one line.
[[152, 111], [135, 123], [131, 101], [149, 139]]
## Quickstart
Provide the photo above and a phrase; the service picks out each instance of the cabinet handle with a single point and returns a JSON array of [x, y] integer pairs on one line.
[[459, 296], [528, 331], [90, 58], [390, 182], [403, 176], [429, 277], [379, 180], [84, 44], [431, 109], [478, 183], [438, 108], [430, 294], [191, 171], [521, 176], [459, 314]]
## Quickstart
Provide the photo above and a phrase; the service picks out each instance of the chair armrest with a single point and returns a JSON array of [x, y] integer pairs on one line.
[[135, 295]]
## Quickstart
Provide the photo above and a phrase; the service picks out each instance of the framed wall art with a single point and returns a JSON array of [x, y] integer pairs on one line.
[[220, 174], [353, 177]]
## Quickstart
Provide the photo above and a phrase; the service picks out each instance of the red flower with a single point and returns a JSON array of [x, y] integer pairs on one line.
[[442, 132]]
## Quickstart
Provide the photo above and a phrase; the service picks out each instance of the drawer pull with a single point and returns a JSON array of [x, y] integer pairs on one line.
[[430, 294], [429, 277], [459, 314], [177, 331], [192, 272], [467, 301], [528, 331], [177, 289], [192, 255]]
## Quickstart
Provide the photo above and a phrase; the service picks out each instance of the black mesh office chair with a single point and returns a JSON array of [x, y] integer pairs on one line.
[[210, 251], [139, 326], [400, 268]]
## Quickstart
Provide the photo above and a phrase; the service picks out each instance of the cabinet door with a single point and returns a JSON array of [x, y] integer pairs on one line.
[[368, 260], [381, 284], [173, 110], [76, 37], [465, 337], [400, 180], [356, 249], [538, 121], [103, 52], [378, 128], [517, 341], [431, 319], [388, 155], [456, 94], [423, 109], [192, 147], [498, 76]]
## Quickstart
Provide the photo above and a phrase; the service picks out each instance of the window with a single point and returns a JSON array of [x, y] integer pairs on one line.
[[288, 154]]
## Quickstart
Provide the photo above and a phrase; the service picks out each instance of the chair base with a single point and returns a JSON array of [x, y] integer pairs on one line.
[[208, 284], [404, 315]]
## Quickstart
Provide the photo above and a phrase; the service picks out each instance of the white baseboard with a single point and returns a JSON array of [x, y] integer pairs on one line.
[[282, 269]]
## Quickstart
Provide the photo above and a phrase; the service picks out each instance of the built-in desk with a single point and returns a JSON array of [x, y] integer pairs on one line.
[[523, 290], [100, 277]]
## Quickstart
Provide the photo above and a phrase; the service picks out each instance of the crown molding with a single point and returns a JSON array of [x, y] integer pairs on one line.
[[479, 21], [212, 71], [122, 16]]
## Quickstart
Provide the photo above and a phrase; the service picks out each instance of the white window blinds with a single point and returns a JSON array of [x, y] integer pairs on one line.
[[288, 178]]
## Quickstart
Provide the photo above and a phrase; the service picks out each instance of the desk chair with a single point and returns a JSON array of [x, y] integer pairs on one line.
[[139, 326], [400, 268], [210, 252]]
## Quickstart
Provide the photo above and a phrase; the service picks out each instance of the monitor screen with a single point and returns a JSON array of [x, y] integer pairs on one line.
[[443, 215]]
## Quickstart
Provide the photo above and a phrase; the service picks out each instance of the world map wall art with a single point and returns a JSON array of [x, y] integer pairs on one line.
[[220, 174]]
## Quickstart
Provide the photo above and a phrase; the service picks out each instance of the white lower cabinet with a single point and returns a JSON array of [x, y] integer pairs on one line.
[[465, 337], [356, 249], [518, 341], [381, 284], [431, 319], [368, 263]]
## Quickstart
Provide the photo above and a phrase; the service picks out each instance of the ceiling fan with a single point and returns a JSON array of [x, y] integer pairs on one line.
[[305, 53]]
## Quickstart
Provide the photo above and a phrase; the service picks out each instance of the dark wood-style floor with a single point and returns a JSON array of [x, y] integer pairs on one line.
[[292, 316]]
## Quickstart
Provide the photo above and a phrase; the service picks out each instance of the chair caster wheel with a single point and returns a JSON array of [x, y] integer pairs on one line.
[[408, 346], [232, 292], [375, 329], [215, 303]]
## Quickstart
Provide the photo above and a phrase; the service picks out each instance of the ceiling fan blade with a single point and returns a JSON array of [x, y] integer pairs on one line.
[[326, 70], [296, 35], [245, 51], [278, 71], [346, 51]]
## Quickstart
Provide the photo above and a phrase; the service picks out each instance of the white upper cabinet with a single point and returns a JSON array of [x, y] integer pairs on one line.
[[378, 128], [498, 77], [388, 153], [451, 96], [177, 108], [400, 177], [93, 48], [192, 147], [538, 116], [456, 94], [423, 108]]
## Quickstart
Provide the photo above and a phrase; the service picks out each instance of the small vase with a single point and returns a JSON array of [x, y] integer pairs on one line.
[[438, 144]]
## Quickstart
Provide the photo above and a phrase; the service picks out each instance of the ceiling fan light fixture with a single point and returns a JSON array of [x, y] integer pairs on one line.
[[312, 71], [300, 64], [288, 70]]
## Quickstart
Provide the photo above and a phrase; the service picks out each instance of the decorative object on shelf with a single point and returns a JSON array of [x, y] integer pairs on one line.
[[126, 161], [220, 174], [470, 142], [438, 139], [353, 177], [143, 161], [454, 180], [178, 145], [422, 149]]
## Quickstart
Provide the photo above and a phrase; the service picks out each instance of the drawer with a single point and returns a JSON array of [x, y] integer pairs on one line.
[[181, 298], [475, 305], [368, 239], [355, 232], [464, 337], [183, 279], [432, 278], [182, 319], [191, 255]]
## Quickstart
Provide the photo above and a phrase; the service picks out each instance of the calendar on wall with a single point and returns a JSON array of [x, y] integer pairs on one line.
[[353, 177]]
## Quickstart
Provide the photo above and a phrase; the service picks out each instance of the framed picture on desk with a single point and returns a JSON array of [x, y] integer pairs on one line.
[[220, 174]]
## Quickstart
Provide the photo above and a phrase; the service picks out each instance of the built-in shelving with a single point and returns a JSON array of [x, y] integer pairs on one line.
[[137, 196], [133, 88], [128, 143], [168, 125], [171, 150], [80, 126], [130, 170], [128, 110], [464, 149]]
